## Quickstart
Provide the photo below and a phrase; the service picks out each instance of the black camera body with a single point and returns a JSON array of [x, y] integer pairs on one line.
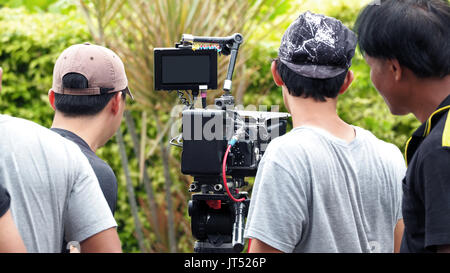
[[205, 138]]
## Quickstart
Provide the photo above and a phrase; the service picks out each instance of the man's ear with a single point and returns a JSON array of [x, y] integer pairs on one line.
[[115, 102], [348, 80], [276, 75], [396, 69], [51, 99]]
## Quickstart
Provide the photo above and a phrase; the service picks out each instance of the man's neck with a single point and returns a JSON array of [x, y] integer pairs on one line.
[[307, 112], [428, 95], [86, 128]]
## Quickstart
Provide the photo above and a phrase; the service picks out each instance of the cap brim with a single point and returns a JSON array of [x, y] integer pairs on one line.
[[129, 93], [315, 71]]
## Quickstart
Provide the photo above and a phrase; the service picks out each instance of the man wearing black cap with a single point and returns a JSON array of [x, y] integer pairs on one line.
[[407, 46], [326, 186]]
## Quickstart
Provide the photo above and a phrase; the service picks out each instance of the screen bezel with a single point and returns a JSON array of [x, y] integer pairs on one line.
[[160, 52]]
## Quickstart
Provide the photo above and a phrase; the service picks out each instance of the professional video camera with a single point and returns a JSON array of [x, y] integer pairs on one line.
[[218, 141]]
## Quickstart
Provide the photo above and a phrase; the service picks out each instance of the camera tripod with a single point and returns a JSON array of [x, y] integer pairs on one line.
[[217, 222]]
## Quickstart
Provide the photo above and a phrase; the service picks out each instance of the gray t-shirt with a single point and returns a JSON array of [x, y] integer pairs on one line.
[[317, 193], [53, 189]]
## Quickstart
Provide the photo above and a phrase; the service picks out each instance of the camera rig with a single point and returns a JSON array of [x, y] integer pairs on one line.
[[221, 145]]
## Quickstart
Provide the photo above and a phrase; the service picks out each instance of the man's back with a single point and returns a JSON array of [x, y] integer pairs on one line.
[[338, 196], [105, 175], [52, 186]]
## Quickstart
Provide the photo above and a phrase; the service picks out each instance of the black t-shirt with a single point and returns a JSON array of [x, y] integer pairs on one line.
[[4, 201], [426, 187], [104, 173]]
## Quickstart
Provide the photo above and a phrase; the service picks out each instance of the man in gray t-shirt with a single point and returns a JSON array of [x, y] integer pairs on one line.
[[326, 186], [315, 192], [54, 190]]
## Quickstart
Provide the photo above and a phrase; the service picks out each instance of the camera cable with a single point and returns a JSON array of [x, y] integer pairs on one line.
[[231, 143]]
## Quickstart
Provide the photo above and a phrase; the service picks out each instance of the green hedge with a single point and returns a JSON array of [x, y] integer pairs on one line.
[[29, 46]]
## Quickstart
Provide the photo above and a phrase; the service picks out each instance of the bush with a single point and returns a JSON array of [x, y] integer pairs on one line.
[[29, 46]]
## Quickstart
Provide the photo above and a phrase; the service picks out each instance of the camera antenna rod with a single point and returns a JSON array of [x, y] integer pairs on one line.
[[230, 46]]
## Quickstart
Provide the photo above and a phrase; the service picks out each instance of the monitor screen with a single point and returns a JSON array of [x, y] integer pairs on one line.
[[185, 69]]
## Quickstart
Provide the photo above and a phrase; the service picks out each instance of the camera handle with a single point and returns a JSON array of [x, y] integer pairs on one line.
[[230, 46]]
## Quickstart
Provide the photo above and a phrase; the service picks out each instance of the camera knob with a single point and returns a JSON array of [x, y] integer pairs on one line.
[[238, 38]]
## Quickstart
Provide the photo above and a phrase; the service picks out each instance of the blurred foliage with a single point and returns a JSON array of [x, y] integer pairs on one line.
[[29, 46], [53, 6], [34, 33]]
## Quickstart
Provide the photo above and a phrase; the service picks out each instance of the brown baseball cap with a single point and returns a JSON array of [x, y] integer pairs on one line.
[[102, 68]]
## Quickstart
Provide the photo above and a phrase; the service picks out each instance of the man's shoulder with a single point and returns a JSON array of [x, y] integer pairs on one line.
[[294, 149], [387, 153], [434, 142], [103, 171], [101, 168], [20, 129], [297, 138], [281, 146], [28, 136], [11, 122], [432, 149], [308, 137], [378, 145]]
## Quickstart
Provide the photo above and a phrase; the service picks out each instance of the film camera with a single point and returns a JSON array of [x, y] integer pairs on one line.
[[221, 145]]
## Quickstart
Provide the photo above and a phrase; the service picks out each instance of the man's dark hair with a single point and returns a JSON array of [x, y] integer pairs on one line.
[[415, 32], [318, 89], [74, 105]]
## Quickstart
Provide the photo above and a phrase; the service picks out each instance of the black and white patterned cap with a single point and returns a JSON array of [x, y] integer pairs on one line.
[[317, 46]]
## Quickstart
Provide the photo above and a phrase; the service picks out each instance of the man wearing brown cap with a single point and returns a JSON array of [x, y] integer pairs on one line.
[[326, 186], [88, 96]]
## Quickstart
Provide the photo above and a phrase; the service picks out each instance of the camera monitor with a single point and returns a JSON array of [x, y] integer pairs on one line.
[[185, 69]]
